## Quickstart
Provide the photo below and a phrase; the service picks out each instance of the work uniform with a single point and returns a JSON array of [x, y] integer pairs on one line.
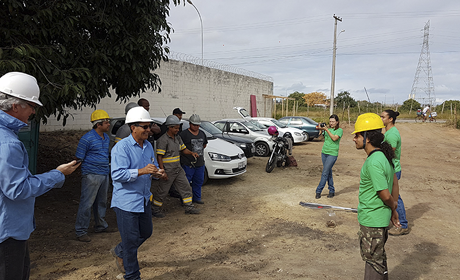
[[373, 215], [170, 149], [194, 167]]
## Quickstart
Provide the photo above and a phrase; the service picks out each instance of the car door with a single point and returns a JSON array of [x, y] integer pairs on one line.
[[297, 123], [237, 129]]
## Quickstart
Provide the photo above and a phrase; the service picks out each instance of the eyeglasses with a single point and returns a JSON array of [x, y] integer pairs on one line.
[[143, 126], [34, 106]]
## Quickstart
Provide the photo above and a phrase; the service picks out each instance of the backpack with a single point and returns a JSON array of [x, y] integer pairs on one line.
[[291, 162]]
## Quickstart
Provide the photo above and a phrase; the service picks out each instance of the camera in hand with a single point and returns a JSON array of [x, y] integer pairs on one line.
[[320, 125]]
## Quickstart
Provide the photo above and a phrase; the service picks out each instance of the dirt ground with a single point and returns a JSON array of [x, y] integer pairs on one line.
[[252, 226]]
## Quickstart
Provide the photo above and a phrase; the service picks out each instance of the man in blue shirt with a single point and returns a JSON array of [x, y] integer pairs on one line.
[[132, 168], [19, 95], [93, 150]]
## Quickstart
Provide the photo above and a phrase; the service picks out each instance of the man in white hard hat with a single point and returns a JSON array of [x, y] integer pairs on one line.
[[133, 166], [93, 151], [19, 97]]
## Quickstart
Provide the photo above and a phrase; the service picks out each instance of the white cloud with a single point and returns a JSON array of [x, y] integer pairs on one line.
[[291, 41]]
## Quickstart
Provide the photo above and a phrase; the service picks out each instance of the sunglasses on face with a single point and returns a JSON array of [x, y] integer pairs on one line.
[[33, 106], [143, 126]]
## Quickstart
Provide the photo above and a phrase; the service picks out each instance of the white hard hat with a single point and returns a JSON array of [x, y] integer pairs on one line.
[[138, 114], [20, 85]]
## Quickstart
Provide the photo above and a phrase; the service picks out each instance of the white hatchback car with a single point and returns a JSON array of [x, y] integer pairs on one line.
[[222, 159]]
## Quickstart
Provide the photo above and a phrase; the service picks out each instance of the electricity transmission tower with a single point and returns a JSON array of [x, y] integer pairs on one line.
[[423, 81]]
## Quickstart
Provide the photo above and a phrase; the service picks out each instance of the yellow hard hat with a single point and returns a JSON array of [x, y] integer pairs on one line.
[[99, 115], [368, 121]]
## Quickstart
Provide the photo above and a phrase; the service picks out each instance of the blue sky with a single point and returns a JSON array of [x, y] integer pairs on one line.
[[291, 41]]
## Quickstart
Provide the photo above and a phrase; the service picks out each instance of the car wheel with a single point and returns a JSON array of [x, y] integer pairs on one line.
[[206, 177], [262, 149]]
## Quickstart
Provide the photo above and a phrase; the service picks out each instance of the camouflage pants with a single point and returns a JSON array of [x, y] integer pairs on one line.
[[372, 244]]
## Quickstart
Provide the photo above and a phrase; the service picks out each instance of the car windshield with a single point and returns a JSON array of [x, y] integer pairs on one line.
[[307, 120], [209, 127], [254, 126], [278, 123]]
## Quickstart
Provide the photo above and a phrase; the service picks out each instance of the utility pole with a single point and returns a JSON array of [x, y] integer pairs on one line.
[[334, 49]]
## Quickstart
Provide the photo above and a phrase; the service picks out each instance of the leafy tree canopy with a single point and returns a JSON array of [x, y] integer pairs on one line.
[[78, 49], [344, 99], [298, 96], [455, 103], [315, 98], [410, 104]]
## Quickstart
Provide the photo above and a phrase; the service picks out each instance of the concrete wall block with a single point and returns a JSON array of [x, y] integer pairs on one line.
[[211, 93]]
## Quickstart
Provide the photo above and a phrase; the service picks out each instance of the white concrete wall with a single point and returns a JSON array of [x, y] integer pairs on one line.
[[208, 92]]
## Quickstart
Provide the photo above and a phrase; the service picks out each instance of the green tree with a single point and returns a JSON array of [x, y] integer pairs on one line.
[[298, 96], [410, 104], [344, 99], [447, 104], [78, 49]]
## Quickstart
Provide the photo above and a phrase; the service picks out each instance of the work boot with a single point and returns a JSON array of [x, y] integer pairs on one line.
[[118, 261], [84, 238], [157, 213], [330, 195], [318, 195], [190, 209], [398, 231]]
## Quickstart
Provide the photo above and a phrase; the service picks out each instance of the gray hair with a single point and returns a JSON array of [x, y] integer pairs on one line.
[[7, 101]]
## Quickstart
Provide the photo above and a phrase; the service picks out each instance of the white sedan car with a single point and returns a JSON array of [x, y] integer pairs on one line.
[[296, 134]]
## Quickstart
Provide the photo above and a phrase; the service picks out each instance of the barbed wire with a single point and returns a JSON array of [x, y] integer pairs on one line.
[[215, 65]]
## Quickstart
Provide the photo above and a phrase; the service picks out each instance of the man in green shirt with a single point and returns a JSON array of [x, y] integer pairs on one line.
[[377, 195]]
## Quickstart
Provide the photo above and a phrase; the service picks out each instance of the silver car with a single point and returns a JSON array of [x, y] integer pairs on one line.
[[250, 130]]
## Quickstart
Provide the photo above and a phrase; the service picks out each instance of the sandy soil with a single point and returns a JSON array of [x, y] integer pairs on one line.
[[252, 226]]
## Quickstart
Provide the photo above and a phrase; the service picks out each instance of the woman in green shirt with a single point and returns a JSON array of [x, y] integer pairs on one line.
[[377, 194], [329, 154]]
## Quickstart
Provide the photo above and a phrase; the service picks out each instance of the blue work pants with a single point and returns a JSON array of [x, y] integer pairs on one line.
[[195, 176]]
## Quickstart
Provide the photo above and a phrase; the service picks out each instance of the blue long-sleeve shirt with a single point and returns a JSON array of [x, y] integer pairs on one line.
[[131, 191], [18, 187]]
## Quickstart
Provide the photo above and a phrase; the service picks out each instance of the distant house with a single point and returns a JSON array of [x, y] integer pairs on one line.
[[320, 105]]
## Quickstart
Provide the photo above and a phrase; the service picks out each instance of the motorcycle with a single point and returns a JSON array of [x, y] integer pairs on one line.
[[278, 157]]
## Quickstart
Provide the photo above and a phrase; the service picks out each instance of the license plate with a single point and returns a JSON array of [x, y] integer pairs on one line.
[[241, 165]]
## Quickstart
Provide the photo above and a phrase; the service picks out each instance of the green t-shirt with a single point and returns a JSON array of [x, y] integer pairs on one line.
[[331, 147], [376, 175], [393, 138]]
